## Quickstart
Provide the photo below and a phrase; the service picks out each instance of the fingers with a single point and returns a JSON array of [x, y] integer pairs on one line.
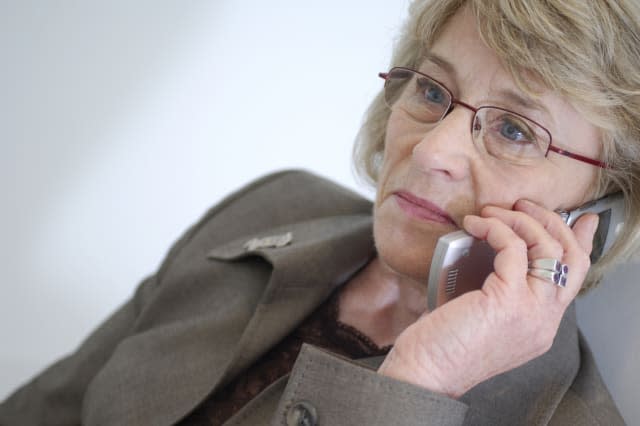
[[540, 242], [582, 231], [577, 241], [511, 253], [514, 236], [532, 232]]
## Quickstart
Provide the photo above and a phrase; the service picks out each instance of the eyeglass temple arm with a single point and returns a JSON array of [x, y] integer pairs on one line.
[[579, 157]]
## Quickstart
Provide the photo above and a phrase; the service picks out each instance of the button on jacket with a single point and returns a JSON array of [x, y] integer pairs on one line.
[[239, 281]]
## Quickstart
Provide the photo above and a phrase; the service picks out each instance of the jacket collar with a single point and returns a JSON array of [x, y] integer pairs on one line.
[[199, 354], [322, 254], [319, 255]]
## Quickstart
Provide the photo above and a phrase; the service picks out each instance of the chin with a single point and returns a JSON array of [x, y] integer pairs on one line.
[[406, 253], [405, 245]]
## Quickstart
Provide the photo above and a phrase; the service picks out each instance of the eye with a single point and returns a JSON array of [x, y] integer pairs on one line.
[[515, 130], [509, 136], [432, 92]]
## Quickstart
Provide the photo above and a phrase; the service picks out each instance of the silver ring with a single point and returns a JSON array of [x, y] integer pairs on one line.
[[554, 277], [550, 265]]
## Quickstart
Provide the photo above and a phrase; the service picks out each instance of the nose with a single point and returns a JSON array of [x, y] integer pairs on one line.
[[447, 148]]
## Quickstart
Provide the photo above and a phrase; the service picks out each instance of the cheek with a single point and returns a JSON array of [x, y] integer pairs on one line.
[[395, 126], [551, 188], [401, 247], [574, 187], [398, 144], [500, 186]]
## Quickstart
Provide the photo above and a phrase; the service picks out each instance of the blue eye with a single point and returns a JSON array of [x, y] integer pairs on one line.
[[515, 132], [432, 92], [435, 94], [509, 136]]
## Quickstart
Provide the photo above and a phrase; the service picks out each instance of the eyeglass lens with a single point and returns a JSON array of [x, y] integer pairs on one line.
[[501, 133]]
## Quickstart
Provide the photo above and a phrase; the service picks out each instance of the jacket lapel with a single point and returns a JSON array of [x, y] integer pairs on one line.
[[178, 355], [323, 253]]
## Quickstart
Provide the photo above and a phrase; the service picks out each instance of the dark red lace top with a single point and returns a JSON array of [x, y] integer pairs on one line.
[[321, 329]]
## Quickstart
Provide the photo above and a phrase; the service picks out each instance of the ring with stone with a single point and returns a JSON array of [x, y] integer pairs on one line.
[[554, 277], [549, 264]]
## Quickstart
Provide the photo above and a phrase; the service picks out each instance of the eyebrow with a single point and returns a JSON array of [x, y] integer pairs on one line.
[[441, 62], [523, 101]]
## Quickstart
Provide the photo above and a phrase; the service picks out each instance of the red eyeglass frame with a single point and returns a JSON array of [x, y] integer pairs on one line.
[[551, 147]]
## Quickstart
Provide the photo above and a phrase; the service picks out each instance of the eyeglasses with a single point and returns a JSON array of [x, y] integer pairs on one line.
[[503, 134]]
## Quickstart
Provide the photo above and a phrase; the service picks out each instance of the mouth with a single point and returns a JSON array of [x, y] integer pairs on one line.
[[422, 209]]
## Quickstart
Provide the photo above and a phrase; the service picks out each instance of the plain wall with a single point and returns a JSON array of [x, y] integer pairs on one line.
[[122, 122]]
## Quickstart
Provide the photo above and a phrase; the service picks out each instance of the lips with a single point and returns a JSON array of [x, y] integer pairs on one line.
[[422, 209]]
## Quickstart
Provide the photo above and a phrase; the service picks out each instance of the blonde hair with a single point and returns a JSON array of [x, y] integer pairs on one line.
[[587, 51]]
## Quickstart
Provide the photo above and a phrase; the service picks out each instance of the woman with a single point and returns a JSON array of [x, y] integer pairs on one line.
[[501, 113]]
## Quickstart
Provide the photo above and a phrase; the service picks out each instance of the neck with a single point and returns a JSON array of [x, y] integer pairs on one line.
[[381, 303]]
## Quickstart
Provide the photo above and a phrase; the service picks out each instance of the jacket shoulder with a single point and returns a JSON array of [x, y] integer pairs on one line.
[[271, 201]]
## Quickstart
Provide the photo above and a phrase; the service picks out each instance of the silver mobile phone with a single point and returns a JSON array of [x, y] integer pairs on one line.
[[461, 262]]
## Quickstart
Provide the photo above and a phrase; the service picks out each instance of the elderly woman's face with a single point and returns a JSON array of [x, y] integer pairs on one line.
[[431, 178]]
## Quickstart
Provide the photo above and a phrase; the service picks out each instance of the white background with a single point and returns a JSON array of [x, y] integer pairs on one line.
[[122, 122]]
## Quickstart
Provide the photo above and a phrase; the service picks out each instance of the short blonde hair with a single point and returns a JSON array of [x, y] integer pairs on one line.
[[587, 51]]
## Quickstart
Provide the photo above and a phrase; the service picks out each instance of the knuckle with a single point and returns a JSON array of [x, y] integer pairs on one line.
[[519, 244], [583, 261], [579, 264], [556, 248]]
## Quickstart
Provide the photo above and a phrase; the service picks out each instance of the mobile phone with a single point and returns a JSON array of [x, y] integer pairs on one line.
[[461, 262]]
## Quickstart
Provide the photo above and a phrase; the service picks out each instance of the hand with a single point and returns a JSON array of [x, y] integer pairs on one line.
[[512, 319]]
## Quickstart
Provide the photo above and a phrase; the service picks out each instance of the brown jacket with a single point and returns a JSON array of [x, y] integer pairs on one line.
[[215, 305]]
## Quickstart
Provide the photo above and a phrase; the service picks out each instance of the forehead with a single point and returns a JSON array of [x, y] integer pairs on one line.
[[460, 51]]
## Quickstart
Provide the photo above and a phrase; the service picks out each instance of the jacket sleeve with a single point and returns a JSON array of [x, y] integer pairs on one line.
[[588, 401], [55, 396], [323, 388]]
